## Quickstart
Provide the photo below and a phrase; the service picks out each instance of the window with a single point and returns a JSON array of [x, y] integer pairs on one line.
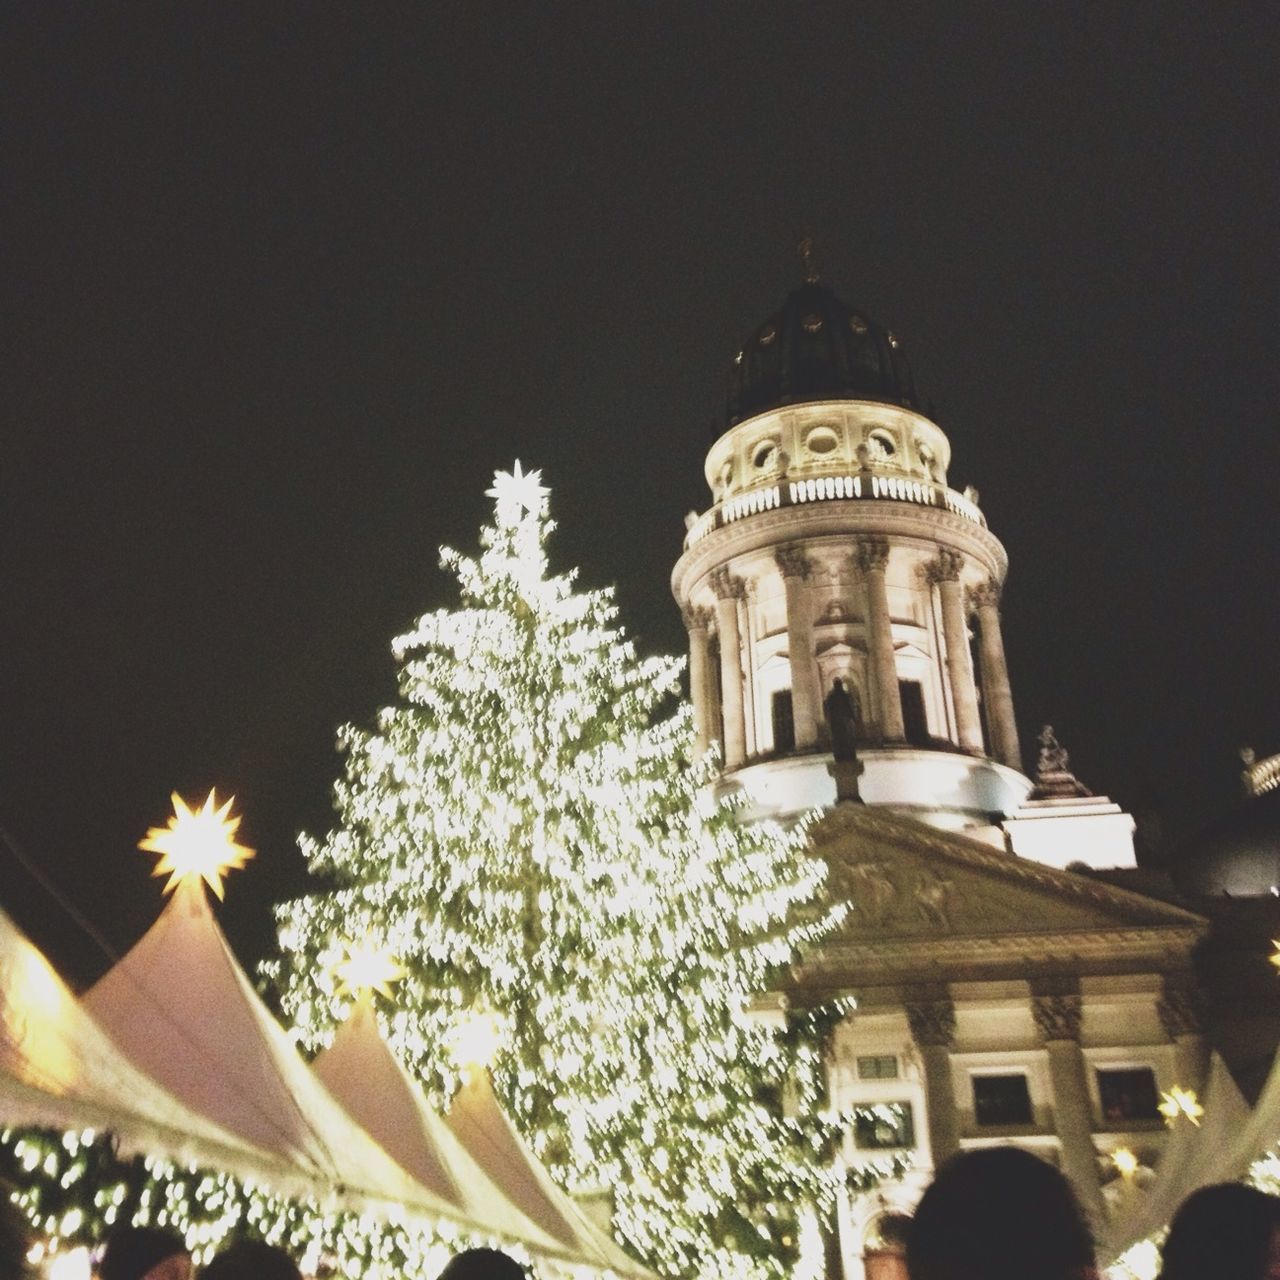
[[882, 1066], [882, 1125], [784, 724], [1001, 1100], [915, 723], [1128, 1093]]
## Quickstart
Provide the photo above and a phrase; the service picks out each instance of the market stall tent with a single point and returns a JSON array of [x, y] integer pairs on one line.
[[360, 1069], [478, 1121], [181, 1009], [59, 1069]]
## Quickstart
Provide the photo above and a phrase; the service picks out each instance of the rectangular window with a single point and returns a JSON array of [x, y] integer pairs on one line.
[[1001, 1100], [883, 1125], [784, 724], [1128, 1093], [883, 1066], [915, 724]]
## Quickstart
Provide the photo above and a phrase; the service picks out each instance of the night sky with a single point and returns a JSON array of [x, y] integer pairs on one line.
[[283, 285]]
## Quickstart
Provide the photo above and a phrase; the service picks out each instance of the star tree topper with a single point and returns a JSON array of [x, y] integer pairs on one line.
[[197, 843], [517, 492]]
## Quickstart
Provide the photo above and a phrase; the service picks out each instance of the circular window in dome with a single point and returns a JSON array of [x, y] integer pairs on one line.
[[764, 455], [768, 336], [822, 441], [858, 325], [811, 323], [882, 444]]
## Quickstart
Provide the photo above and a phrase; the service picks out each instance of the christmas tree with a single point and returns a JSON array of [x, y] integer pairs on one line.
[[527, 831]]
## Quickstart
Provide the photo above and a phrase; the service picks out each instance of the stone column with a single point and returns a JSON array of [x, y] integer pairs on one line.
[[872, 555], [697, 622], [1058, 1018], [996, 691], [933, 1028], [806, 700], [1181, 1021], [944, 573], [729, 590]]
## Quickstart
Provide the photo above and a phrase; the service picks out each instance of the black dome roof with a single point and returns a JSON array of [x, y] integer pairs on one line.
[[817, 347], [1239, 854]]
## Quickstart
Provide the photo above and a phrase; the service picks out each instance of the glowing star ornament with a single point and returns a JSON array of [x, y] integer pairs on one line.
[[197, 843], [1180, 1102], [368, 969], [476, 1040], [1275, 955], [517, 492], [1125, 1162]]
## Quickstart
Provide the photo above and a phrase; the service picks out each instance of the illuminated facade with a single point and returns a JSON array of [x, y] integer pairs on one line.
[[1002, 996], [834, 551]]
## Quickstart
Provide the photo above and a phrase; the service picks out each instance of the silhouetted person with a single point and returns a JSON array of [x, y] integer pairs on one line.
[[1224, 1232], [15, 1240], [483, 1264], [999, 1214], [251, 1258], [145, 1253]]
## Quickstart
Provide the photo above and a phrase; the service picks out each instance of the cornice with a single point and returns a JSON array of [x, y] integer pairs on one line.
[[930, 527]]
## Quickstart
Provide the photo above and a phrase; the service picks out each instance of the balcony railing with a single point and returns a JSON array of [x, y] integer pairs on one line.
[[861, 486]]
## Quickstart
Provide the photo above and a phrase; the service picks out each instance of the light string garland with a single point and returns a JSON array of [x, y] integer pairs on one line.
[[74, 1188], [528, 831]]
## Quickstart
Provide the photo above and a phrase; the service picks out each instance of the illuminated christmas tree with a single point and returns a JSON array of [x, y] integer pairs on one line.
[[526, 830]]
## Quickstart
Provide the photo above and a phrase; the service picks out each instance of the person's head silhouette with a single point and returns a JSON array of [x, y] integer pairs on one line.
[[483, 1264], [1228, 1231], [999, 1214]]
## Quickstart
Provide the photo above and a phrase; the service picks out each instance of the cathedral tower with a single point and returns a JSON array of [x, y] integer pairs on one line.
[[835, 553]]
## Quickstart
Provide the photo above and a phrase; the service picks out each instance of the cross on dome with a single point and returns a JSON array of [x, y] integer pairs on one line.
[[517, 492]]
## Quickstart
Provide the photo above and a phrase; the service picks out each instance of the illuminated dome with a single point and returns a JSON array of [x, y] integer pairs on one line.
[[1239, 854], [817, 347]]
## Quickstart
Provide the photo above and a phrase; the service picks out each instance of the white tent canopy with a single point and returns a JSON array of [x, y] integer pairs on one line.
[[1219, 1149], [480, 1124], [58, 1068], [362, 1072], [182, 1009]]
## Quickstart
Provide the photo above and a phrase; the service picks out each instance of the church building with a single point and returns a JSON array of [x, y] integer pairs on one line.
[[842, 602]]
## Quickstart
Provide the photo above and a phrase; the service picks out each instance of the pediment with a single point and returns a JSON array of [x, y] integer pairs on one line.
[[915, 891]]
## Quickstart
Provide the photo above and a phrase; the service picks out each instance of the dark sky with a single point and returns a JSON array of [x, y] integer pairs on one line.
[[282, 285]]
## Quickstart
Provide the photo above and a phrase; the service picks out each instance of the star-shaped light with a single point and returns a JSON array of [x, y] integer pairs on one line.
[[1180, 1102], [476, 1040], [1125, 1162], [516, 492], [197, 843], [368, 968], [1275, 955]]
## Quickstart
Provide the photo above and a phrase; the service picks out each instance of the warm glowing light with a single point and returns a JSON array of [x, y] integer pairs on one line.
[[515, 492], [73, 1265], [197, 842], [1275, 955], [368, 969], [1180, 1102], [476, 1040], [1125, 1161]]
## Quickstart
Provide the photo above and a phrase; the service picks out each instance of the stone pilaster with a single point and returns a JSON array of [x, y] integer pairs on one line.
[[1058, 1018], [996, 690], [933, 1028], [1179, 1012], [806, 702], [697, 622], [872, 555], [729, 591], [944, 573]]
